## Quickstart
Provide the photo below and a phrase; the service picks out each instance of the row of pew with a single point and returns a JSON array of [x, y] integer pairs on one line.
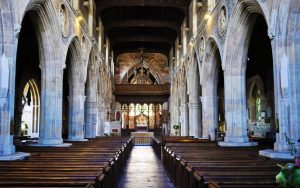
[[200, 163], [94, 164]]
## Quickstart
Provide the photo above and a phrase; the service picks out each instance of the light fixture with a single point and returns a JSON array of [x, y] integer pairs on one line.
[[79, 18], [207, 16]]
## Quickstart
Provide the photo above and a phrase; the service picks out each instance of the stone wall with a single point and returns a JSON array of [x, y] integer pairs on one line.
[[59, 28], [227, 28]]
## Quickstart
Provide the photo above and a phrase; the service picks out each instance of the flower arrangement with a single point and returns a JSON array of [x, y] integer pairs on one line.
[[289, 174], [176, 127]]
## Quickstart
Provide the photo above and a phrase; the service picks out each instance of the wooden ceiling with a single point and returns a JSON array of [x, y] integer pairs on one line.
[[149, 24]]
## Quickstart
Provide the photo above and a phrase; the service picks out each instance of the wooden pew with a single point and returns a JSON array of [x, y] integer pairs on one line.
[[86, 164], [198, 164]]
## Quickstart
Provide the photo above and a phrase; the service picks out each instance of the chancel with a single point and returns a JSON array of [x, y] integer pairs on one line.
[[149, 93]]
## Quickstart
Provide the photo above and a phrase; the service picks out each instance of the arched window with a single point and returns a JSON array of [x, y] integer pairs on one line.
[[257, 96], [31, 110]]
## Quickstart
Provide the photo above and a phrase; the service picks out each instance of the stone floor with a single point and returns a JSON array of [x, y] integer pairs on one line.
[[144, 169]]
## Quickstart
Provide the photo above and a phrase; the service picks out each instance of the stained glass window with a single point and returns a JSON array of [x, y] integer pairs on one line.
[[257, 97]]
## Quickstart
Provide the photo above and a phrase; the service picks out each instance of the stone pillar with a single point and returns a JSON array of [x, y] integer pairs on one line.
[[185, 125], [51, 107], [209, 109], [6, 144], [76, 117], [91, 119], [7, 148], [195, 119], [7, 84], [101, 120], [236, 113]]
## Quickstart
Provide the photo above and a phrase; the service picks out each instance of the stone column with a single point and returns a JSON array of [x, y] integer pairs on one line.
[[6, 140], [236, 114], [51, 107], [195, 119], [185, 125], [91, 119], [208, 112], [210, 106], [7, 85], [282, 111], [7, 93], [101, 120], [76, 117]]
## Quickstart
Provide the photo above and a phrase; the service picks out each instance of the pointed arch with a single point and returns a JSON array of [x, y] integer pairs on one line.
[[74, 55], [212, 48], [239, 31], [45, 23], [144, 65], [31, 100]]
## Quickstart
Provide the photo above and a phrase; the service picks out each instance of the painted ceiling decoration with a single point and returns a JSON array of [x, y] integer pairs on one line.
[[153, 66]]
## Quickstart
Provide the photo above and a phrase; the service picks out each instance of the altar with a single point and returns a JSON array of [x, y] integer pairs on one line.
[[142, 123], [142, 134], [142, 138]]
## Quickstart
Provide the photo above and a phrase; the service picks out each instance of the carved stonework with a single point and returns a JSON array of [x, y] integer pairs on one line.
[[83, 45], [201, 48], [63, 20], [222, 21], [17, 30], [92, 69]]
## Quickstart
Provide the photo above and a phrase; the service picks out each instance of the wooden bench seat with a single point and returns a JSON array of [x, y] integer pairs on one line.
[[85, 164], [198, 164]]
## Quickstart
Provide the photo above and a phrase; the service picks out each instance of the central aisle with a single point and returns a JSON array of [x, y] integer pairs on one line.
[[144, 169]]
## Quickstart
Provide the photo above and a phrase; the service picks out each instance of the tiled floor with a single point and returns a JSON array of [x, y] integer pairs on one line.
[[144, 169]]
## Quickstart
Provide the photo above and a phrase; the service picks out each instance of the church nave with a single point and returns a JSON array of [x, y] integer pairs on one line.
[[144, 169], [212, 84]]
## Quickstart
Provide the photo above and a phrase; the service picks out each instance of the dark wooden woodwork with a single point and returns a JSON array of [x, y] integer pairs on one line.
[[85, 164], [193, 163], [143, 23], [143, 89], [179, 4], [150, 24]]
